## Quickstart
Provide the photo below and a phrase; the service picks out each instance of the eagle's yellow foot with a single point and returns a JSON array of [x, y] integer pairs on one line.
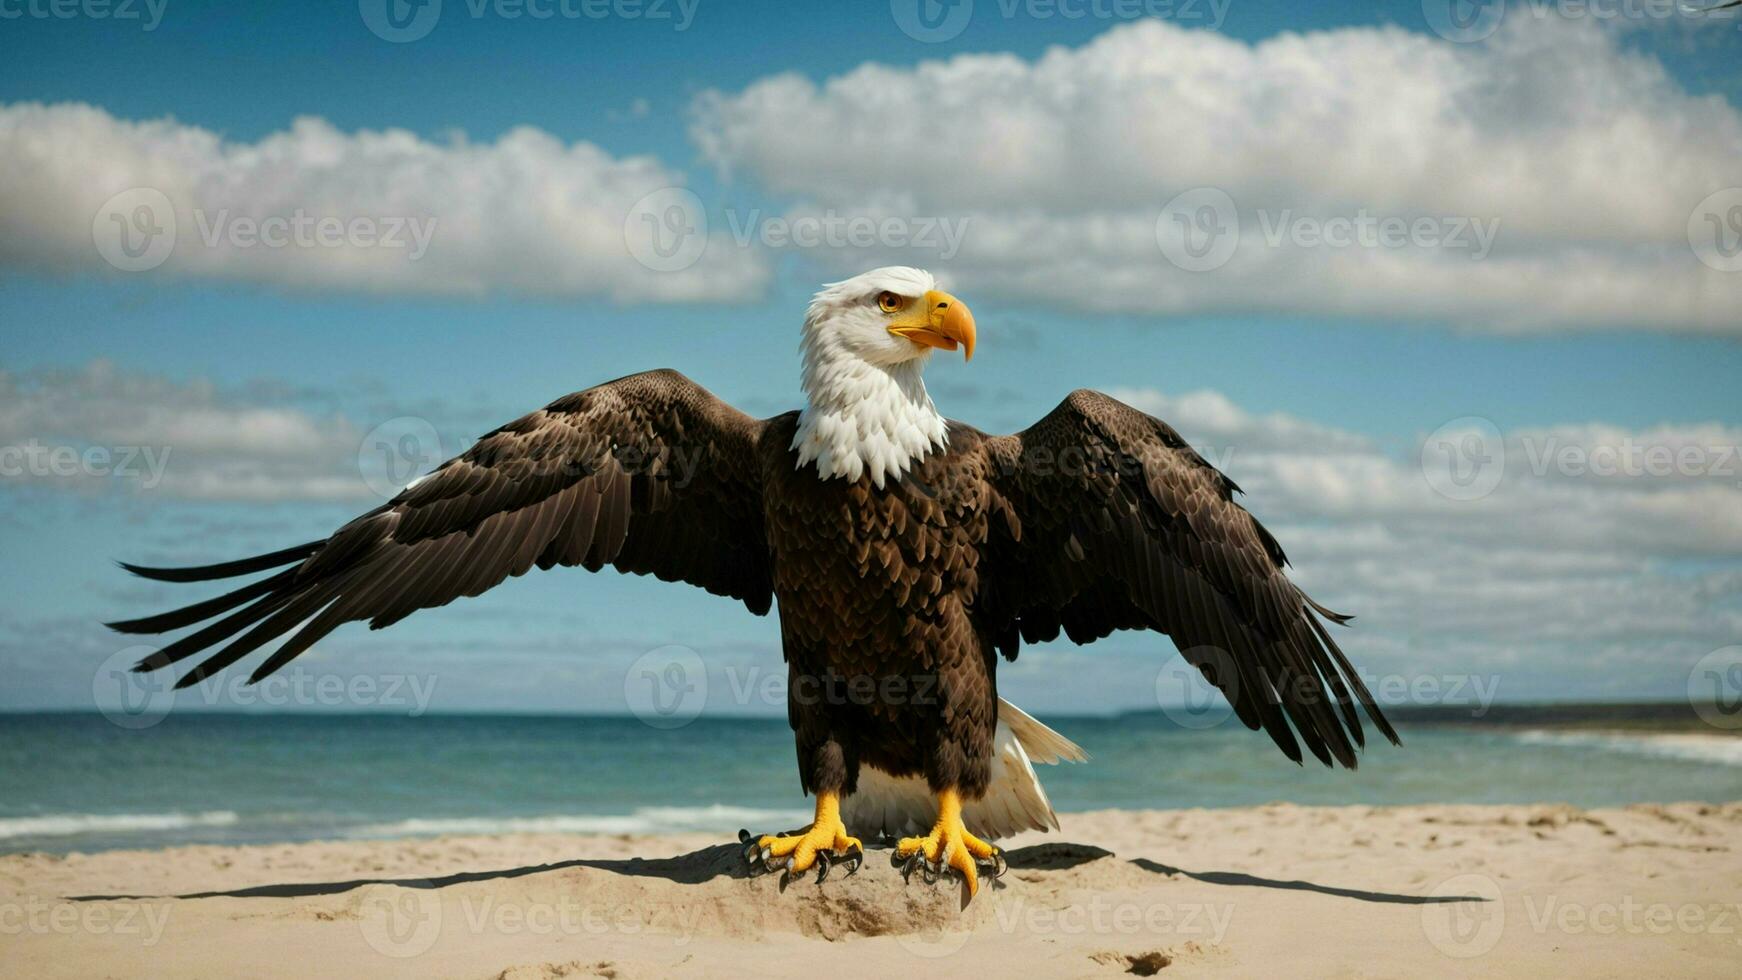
[[821, 845], [949, 850]]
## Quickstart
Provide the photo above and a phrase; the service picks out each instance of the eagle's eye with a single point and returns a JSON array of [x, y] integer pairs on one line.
[[888, 302]]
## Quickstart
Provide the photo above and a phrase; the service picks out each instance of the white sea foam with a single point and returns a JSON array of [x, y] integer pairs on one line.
[[643, 820], [1721, 750], [68, 824]]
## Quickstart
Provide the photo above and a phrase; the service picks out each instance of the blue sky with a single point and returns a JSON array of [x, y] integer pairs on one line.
[[1314, 380]]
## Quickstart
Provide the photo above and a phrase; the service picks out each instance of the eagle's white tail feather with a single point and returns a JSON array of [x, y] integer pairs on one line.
[[1042, 744], [1014, 799]]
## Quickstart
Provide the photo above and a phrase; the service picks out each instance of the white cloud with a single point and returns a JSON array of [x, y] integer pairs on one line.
[[1221, 425], [100, 429], [527, 213], [1583, 161]]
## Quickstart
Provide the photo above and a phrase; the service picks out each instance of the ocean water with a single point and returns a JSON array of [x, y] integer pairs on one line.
[[77, 782]]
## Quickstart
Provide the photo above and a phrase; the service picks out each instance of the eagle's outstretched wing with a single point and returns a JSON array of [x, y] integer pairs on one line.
[[649, 473], [1113, 522]]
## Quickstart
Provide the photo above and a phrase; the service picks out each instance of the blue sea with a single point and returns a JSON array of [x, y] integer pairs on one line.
[[78, 783]]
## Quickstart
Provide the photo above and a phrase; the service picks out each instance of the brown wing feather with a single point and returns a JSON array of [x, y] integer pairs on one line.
[[649, 473], [1113, 522]]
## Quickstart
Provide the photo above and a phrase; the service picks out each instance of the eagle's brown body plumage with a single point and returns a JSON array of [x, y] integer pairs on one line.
[[888, 664]]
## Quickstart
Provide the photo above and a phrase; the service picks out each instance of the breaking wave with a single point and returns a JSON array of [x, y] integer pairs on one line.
[[643, 820], [1722, 750], [68, 824]]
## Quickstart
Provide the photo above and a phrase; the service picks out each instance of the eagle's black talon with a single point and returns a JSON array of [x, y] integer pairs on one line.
[[994, 866], [913, 861], [743, 836], [853, 857], [930, 873], [822, 866]]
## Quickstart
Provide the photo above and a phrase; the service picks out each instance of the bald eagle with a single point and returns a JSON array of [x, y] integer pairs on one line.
[[906, 552]]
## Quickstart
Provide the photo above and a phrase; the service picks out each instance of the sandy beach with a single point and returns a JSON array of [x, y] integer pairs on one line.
[[1349, 891]]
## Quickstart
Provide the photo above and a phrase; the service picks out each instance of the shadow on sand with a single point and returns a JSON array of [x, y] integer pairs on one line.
[[1254, 881], [725, 861], [721, 860]]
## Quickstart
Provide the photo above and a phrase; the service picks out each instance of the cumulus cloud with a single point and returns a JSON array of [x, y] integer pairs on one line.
[[372, 211], [99, 429], [1221, 425], [1544, 179]]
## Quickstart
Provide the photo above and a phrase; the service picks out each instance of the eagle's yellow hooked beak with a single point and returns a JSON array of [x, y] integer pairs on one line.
[[937, 320]]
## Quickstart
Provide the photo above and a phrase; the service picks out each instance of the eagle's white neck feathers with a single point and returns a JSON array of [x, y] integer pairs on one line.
[[867, 410]]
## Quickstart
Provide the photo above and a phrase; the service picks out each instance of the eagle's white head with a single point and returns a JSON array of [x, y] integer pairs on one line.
[[866, 339]]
